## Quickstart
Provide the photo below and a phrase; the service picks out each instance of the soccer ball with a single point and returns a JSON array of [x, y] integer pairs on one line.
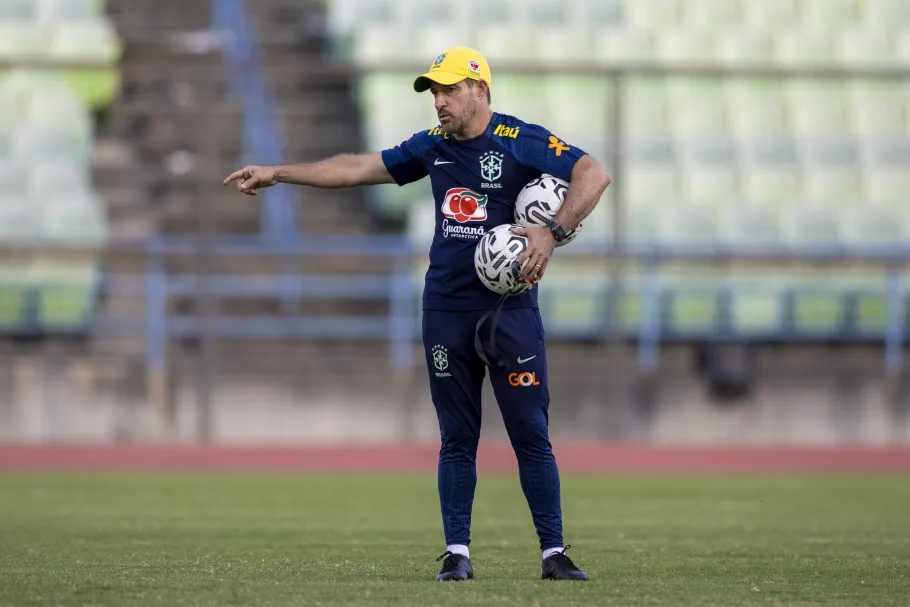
[[538, 202], [496, 260]]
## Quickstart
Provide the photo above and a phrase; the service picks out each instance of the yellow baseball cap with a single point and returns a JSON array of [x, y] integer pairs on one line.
[[454, 65]]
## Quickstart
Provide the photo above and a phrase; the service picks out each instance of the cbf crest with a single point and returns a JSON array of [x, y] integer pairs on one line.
[[491, 166], [440, 358]]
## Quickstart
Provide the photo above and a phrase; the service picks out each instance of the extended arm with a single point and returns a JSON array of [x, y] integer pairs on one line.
[[344, 171]]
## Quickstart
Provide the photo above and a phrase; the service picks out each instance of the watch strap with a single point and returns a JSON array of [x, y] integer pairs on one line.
[[558, 231]]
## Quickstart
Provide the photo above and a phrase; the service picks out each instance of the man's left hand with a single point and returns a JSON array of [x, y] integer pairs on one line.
[[541, 243]]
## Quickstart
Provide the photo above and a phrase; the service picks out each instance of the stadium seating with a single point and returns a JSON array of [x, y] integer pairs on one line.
[[46, 133], [733, 161]]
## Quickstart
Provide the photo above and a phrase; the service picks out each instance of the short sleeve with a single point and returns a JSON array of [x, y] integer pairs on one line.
[[537, 147], [404, 161]]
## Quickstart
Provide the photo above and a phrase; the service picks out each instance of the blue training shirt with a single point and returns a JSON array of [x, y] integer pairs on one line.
[[475, 183]]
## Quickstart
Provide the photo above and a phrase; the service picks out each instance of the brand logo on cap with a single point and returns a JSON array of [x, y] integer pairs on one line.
[[474, 66], [439, 59]]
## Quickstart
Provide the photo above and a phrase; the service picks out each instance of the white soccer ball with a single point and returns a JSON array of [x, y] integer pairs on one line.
[[538, 202], [496, 260]]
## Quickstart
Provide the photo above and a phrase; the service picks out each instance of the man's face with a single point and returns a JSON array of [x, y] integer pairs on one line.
[[456, 105]]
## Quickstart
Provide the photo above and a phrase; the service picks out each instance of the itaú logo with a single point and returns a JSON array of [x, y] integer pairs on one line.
[[523, 380]]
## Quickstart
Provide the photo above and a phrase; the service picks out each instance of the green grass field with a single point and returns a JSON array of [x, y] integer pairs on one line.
[[282, 539]]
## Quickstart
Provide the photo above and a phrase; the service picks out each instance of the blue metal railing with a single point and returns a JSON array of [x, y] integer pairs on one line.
[[399, 292]]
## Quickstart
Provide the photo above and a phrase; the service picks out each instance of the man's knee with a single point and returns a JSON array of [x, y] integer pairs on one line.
[[530, 436], [459, 435], [460, 449]]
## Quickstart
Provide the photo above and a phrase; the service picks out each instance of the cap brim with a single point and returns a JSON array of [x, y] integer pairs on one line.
[[422, 82]]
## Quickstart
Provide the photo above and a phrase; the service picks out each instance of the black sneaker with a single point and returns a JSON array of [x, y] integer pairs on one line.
[[560, 567], [454, 567]]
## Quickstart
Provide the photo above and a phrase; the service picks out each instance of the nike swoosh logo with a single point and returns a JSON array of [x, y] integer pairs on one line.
[[438, 162], [521, 360]]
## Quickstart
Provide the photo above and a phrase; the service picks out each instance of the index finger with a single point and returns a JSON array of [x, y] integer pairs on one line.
[[234, 176]]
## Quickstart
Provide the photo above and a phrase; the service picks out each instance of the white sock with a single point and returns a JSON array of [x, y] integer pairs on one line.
[[550, 552], [459, 549]]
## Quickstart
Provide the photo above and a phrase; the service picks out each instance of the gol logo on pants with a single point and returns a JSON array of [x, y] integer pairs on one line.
[[523, 379]]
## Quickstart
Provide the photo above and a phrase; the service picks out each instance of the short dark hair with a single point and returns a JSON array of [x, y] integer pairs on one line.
[[470, 82]]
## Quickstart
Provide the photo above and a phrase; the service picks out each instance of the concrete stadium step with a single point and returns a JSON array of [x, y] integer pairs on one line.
[[134, 227], [321, 212], [125, 307], [287, 22], [273, 307], [137, 17], [162, 75], [338, 266], [117, 176], [112, 157], [229, 212]]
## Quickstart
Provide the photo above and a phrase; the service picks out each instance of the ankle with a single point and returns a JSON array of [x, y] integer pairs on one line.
[[459, 549], [545, 554]]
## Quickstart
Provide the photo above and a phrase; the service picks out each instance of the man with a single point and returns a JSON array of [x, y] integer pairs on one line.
[[477, 160]]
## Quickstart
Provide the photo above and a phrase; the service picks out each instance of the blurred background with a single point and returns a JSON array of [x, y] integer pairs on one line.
[[742, 281]]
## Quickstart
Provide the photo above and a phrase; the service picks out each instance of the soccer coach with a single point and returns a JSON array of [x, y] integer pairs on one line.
[[477, 161]]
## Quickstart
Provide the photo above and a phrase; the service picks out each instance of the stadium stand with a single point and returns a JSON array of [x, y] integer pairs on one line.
[[133, 150], [47, 127], [724, 163], [714, 162]]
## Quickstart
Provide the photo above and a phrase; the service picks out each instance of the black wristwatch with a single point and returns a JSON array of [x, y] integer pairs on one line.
[[559, 233]]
